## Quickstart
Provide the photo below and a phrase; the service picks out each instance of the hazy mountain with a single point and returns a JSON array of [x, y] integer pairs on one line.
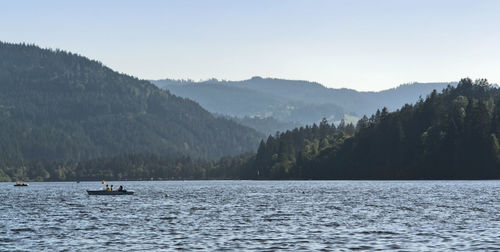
[[266, 125], [287, 101], [56, 105], [246, 98]]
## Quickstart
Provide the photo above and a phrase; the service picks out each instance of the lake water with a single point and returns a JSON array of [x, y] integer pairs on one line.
[[253, 215]]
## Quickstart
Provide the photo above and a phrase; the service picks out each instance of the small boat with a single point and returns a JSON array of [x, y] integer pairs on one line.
[[106, 192], [20, 184]]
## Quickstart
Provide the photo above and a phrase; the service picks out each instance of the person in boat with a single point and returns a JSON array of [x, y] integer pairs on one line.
[[120, 189], [108, 188], [111, 188]]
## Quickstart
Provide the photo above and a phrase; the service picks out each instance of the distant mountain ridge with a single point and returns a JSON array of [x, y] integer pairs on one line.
[[56, 105], [295, 101]]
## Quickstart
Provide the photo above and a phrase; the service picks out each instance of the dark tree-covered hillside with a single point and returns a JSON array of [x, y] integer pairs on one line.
[[453, 135], [59, 106]]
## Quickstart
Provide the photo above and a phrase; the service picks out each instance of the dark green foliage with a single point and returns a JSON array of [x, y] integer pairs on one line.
[[124, 167], [64, 117], [281, 156], [453, 135], [59, 106]]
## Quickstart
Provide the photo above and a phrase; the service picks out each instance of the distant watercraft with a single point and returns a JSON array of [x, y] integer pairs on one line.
[[20, 184], [109, 190], [106, 192]]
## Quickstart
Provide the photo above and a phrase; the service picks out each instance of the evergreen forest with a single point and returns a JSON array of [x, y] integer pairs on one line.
[[60, 107], [65, 117], [452, 135]]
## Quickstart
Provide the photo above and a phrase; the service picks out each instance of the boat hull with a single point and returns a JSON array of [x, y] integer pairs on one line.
[[104, 192]]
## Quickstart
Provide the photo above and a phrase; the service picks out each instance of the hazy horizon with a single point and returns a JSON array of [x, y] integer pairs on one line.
[[362, 45], [311, 81], [255, 76]]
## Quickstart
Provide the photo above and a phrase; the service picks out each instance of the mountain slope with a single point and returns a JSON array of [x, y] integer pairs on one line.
[[56, 105], [293, 101]]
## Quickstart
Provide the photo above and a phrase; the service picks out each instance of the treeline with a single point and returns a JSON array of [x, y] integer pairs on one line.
[[124, 167], [453, 135], [282, 155]]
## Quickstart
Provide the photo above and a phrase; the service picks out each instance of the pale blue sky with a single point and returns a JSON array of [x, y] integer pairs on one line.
[[365, 45]]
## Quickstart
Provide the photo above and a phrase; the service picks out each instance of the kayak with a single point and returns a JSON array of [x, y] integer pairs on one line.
[[21, 184], [105, 192]]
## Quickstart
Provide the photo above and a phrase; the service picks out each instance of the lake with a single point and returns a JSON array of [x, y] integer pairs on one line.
[[253, 215]]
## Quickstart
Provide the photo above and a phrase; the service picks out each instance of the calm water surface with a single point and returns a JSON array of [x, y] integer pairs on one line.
[[253, 215]]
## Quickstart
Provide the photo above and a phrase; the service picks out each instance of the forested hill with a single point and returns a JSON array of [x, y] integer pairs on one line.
[[292, 102], [453, 135], [56, 105], [244, 100]]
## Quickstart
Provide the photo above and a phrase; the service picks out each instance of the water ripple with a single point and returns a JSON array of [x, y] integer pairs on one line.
[[254, 215]]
